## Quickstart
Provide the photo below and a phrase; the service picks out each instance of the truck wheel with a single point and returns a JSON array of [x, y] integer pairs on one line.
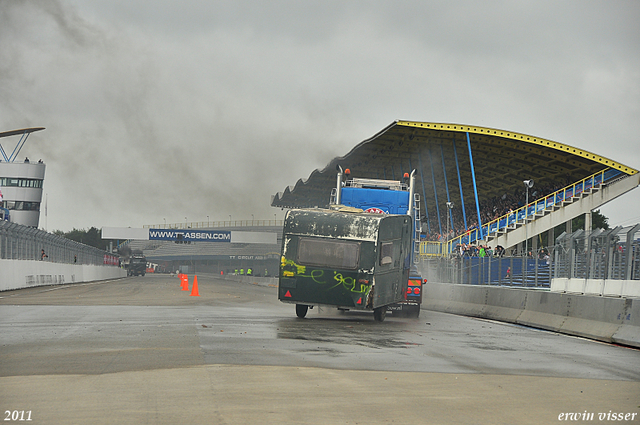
[[416, 311], [380, 313], [301, 310]]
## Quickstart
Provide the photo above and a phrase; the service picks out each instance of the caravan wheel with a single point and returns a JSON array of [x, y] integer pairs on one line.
[[301, 310], [380, 313]]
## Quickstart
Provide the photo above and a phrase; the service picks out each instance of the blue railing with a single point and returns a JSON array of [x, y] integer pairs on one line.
[[510, 219]]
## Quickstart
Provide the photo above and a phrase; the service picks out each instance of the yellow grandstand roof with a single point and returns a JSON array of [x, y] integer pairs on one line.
[[502, 160], [521, 138]]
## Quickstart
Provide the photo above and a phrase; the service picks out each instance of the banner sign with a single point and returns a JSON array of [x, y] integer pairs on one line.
[[189, 235]]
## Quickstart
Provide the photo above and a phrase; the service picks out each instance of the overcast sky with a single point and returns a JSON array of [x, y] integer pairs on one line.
[[164, 110]]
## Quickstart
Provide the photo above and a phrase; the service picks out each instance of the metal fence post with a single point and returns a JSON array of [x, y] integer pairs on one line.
[[629, 257], [535, 281], [609, 251]]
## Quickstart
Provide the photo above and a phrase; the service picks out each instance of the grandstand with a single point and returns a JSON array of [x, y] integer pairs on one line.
[[480, 171]]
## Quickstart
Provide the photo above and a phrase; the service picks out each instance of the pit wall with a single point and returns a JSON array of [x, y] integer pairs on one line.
[[18, 274], [608, 319]]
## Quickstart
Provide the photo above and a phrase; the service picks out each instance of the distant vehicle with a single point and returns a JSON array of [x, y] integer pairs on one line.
[[137, 265], [356, 254]]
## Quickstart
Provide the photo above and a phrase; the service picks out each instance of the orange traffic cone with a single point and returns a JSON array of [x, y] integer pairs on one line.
[[194, 291], [185, 282]]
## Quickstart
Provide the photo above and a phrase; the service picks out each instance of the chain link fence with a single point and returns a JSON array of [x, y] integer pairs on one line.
[[535, 271], [19, 242], [602, 254]]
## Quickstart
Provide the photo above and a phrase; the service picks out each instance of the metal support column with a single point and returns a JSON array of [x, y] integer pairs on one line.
[[446, 186], [464, 214], [424, 193], [435, 190], [475, 188]]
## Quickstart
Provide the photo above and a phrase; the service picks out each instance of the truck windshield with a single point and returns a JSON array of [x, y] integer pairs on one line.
[[329, 253]]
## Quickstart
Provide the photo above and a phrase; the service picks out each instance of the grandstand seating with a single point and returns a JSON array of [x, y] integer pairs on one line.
[[501, 230]]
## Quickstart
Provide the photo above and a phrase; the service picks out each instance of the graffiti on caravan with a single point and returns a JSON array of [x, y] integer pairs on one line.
[[188, 235]]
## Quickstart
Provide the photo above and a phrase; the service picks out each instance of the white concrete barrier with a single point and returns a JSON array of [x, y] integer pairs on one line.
[[594, 287], [609, 319], [19, 274], [608, 287], [627, 333]]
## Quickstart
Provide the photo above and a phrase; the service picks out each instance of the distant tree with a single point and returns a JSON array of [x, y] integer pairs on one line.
[[598, 221], [91, 237]]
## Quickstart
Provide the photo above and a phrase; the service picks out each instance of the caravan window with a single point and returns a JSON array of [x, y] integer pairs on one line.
[[386, 253], [329, 253], [389, 254]]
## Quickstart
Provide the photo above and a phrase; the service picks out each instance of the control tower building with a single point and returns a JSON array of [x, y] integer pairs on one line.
[[20, 183]]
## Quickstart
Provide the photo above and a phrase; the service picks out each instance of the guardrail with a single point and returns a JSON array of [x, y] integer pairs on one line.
[[431, 249], [529, 212]]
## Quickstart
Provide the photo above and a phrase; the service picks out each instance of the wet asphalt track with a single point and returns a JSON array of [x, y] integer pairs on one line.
[[243, 357]]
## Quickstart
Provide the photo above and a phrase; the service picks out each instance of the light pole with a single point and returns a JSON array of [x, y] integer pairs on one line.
[[207, 221], [165, 223], [449, 207], [528, 184]]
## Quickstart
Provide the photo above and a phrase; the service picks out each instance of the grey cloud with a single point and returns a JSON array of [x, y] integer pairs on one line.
[[208, 108]]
